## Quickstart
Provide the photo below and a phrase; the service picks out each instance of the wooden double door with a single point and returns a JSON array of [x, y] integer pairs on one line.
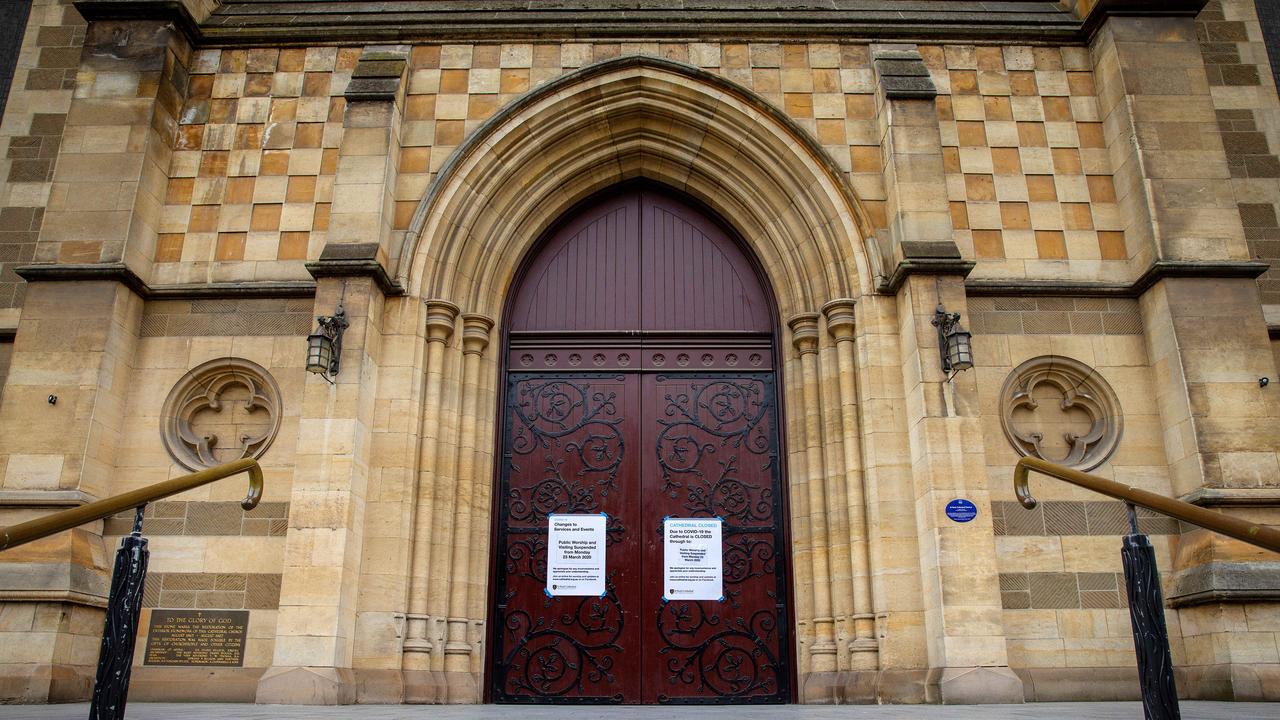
[[661, 420]]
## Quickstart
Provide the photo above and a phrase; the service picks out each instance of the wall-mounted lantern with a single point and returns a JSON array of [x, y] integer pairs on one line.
[[954, 342], [324, 346]]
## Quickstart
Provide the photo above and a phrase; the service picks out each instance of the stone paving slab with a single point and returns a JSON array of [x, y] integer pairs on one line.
[[1031, 711]]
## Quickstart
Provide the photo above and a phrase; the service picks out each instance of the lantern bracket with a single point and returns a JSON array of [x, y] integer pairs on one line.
[[954, 342], [324, 345]]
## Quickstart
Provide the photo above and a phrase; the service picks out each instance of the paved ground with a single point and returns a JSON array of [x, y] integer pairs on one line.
[[1041, 711]]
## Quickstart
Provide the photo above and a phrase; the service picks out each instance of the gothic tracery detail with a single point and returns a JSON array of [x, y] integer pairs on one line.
[[1061, 410], [224, 410]]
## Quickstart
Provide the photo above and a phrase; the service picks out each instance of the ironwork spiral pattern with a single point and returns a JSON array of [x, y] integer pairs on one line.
[[731, 659], [730, 422], [551, 656], [558, 417], [715, 444], [574, 641]]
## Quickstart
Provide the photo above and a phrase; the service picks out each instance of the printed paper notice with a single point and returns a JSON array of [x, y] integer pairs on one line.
[[575, 555], [693, 559]]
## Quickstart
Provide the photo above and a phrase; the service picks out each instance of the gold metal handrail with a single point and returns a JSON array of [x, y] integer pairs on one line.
[[26, 532], [1264, 537]]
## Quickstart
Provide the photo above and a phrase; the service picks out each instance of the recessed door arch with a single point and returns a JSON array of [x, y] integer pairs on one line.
[[640, 382]]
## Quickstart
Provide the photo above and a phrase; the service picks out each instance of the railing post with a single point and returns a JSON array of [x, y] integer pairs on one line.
[[1150, 635], [120, 632]]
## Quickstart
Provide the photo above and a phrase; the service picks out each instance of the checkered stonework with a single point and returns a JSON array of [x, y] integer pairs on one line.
[[254, 157], [1233, 41], [826, 88], [1028, 174], [35, 113], [257, 148]]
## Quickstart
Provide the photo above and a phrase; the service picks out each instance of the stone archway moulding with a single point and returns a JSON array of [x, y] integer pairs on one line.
[[705, 137], [639, 117]]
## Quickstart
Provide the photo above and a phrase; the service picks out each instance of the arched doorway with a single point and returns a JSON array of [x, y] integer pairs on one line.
[[640, 383]]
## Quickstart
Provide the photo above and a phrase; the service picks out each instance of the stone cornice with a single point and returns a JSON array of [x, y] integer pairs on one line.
[[287, 22], [1225, 582], [118, 272], [378, 74], [173, 11], [51, 596], [89, 272], [902, 73], [354, 260], [924, 266], [1160, 270], [357, 268], [1096, 12], [1233, 497], [45, 498]]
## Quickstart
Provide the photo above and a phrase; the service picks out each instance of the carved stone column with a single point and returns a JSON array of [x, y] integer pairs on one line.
[[123, 92], [58, 454], [446, 424], [863, 648], [822, 663], [920, 234], [1206, 335], [420, 685], [462, 687], [67, 387], [839, 563], [486, 389], [897, 593]]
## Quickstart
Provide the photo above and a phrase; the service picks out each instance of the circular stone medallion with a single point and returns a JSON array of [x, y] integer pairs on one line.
[[1060, 410], [224, 410]]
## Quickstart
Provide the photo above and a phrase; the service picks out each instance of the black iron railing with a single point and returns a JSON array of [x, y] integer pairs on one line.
[[1142, 578], [124, 605]]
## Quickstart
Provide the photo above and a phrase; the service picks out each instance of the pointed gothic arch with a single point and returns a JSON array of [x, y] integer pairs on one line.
[[739, 159], [639, 117]]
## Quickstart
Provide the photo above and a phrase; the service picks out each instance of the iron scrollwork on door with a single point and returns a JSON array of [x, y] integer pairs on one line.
[[718, 454], [733, 659], [555, 653], [552, 656], [568, 417]]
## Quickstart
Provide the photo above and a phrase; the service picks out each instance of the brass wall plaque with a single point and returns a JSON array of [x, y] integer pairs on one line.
[[197, 637]]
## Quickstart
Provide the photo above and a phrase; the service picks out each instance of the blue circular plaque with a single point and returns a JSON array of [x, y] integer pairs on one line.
[[961, 510]]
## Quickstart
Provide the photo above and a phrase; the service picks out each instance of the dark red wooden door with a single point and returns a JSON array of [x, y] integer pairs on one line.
[[640, 384], [569, 449], [713, 440]]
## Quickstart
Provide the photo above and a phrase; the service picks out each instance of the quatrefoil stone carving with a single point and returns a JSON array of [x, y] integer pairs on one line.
[[1061, 410], [224, 410]]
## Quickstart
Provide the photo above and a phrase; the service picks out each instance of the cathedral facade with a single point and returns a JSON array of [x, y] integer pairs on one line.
[[793, 283]]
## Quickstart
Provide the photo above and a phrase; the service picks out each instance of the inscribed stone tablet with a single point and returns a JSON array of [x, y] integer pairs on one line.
[[197, 637]]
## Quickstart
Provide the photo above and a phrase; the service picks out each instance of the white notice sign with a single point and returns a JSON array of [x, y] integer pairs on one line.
[[575, 554], [693, 559]]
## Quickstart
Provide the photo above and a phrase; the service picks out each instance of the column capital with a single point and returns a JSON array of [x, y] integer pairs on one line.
[[804, 332], [379, 74], [441, 315], [840, 318], [901, 72], [475, 333]]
